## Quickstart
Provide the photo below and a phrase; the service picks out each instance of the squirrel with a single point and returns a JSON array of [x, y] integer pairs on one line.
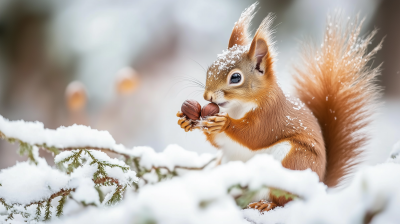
[[321, 130]]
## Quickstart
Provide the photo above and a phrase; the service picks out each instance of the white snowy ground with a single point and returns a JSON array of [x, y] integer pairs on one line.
[[196, 196]]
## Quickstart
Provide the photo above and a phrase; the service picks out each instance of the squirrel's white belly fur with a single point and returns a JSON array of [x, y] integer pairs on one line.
[[238, 109], [233, 151]]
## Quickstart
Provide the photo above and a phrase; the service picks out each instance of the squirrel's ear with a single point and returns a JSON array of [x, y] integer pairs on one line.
[[240, 34], [261, 48]]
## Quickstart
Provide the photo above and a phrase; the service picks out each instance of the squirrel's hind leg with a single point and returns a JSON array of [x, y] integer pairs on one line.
[[265, 206], [262, 206]]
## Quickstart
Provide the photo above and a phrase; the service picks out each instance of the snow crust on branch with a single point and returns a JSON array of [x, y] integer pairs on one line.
[[74, 136], [38, 182], [172, 156], [80, 136]]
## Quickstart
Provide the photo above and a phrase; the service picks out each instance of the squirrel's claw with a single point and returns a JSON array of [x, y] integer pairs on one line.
[[217, 119], [215, 124], [185, 124], [180, 114]]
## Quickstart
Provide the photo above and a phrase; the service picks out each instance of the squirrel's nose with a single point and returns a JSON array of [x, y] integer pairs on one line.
[[208, 96]]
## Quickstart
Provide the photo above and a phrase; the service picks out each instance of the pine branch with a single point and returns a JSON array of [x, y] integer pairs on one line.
[[136, 160], [100, 177], [60, 205], [38, 212], [10, 216], [101, 172], [108, 181], [47, 212], [101, 194], [5, 204], [26, 149], [62, 192], [117, 196], [281, 193]]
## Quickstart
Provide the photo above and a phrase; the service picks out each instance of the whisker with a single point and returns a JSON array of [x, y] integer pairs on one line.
[[192, 80], [184, 89], [188, 78], [189, 85], [195, 92], [198, 64]]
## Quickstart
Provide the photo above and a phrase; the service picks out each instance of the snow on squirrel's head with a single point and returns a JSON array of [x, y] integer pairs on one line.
[[242, 72]]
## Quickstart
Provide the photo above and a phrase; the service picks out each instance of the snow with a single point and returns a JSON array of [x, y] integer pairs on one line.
[[172, 156], [122, 177], [228, 59], [63, 137], [84, 172], [395, 154], [63, 155], [371, 191], [78, 136], [196, 197], [202, 197], [85, 191], [38, 182], [27, 183], [103, 157], [87, 170]]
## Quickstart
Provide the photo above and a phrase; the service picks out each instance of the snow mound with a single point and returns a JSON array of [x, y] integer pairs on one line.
[[374, 195], [202, 197]]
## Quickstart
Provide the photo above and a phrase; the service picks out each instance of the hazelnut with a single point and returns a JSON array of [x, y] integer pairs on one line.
[[192, 109], [210, 109]]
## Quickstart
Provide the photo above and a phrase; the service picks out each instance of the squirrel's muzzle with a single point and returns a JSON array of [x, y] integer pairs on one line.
[[208, 95]]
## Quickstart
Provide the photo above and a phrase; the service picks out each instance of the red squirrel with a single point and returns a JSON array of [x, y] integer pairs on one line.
[[322, 129]]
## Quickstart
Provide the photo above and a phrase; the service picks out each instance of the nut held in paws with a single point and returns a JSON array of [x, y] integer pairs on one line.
[[210, 109], [192, 109]]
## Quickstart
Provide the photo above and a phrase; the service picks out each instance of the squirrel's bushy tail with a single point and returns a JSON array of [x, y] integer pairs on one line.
[[338, 85]]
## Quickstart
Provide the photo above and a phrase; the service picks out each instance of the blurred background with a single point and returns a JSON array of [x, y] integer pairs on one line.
[[121, 65]]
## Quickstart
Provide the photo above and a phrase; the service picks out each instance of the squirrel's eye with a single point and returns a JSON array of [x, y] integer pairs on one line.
[[235, 78]]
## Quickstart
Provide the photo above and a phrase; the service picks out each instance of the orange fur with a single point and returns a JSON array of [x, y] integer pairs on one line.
[[338, 87], [324, 132], [240, 34]]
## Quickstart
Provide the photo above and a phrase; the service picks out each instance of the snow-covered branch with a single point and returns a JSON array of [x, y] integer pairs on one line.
[[79, 137], [84, 171]]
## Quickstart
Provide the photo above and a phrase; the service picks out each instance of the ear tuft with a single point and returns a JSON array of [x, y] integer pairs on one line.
[[262, 46], [240, 34]]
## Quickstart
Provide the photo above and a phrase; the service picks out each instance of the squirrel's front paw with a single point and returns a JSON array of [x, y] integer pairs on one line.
[[185, 123], [216, 124]]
